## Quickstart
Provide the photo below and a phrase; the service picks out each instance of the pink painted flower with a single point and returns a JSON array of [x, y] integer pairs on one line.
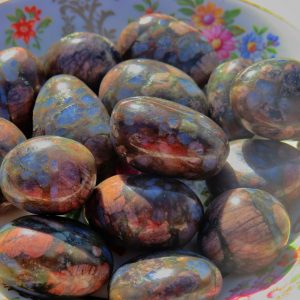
[[221, 40]]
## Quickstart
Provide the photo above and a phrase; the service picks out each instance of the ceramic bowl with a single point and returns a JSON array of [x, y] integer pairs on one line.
[[36, 24]]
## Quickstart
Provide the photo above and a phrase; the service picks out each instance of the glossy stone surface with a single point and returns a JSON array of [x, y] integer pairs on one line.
[[266, 96], [167, 275], [52, 257], [10, 136], [245, 230], [146, 77], [48, 175], [86, 55], [162, 137], [165, 38], [21, 76], [268, 165], [143, 211], [218, 95], [66, 107]]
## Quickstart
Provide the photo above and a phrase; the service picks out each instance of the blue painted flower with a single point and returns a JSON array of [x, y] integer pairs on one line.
[[252, 46], [273, 40]]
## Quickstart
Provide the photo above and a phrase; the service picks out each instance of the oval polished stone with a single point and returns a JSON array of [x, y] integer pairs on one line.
[[66, 107], [21, 76], [48, 175], [86, 55], [167, 275], [146, 77], [266, 96], [263, 164], [143, 211], [10, 137], [245, 231], [218, 95], [49, 257], [162, 137], [165, 38]]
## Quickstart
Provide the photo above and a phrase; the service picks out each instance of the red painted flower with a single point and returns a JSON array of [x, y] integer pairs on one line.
[[24, 30], [149, 10], [34, 11]]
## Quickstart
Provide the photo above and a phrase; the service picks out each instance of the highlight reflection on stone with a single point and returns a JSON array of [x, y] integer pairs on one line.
[[245, 231], [266, 96], [86, 55], [21, 76], [146, 77], [48, 175], [145, 212], [10, 137], [218, 95], [45, 256], [66, 107], [165, 38], [165, 138], [167, 275], [268, 165]]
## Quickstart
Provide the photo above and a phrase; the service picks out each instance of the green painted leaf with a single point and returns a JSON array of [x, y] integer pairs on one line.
[[272, 50], [236, 30], [139, 7], [36, 44], [228, 22], [14, 43], [186, 11], [256, 29], [148, 2], [20, 14], [8, 40], [199, 2], [232, 14], [262, 30], [186, 3], [155, 6], [44, 23], [12, 18], [234, 55]]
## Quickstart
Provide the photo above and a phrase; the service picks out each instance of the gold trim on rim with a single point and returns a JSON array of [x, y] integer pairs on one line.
[[270, 13]]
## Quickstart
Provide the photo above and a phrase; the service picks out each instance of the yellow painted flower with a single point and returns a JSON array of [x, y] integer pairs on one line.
[[208, 15]]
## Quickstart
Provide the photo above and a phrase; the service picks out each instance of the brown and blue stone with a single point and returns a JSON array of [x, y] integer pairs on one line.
[[10, 137], [21, 76], [51, 257], [165, 138], [165, 38], [48, 175], [218, 95], [167, 275], [245, 230], [86, 55], [67, 107], [146, 77], [263, 164], [142, 211], [266, 97]]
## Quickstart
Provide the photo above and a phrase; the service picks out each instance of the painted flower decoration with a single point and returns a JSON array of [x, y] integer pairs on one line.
[[208, 15], [26, 26], [221, 40], [273, 40], [221, 28], [147, 7], [24, 30], [33, 11], [252, 46]]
